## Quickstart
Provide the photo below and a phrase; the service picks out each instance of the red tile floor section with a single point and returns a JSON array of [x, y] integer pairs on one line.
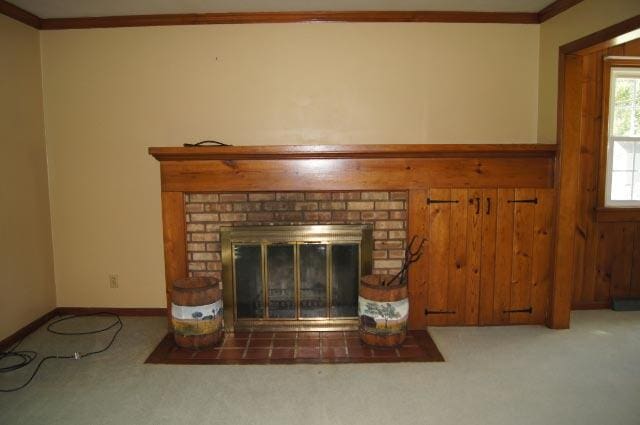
[[297, 347]]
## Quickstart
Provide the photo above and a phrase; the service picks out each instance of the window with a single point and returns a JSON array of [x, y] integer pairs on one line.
[[623, 139]]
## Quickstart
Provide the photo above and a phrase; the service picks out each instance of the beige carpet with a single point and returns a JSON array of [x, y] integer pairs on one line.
[[497, 375]]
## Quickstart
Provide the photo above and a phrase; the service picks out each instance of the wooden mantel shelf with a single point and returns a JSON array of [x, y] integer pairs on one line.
[[353, 167], [351, 151]]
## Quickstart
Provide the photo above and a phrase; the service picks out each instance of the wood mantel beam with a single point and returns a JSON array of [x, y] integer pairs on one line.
[[351, 151]]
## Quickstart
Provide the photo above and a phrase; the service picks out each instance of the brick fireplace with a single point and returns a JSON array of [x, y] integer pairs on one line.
[[206, 213]]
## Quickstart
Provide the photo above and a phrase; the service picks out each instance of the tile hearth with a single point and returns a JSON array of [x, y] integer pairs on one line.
[[298, 347]]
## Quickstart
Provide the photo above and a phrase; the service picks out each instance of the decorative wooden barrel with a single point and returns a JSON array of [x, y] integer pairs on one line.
[[383, 311], [196, 310]]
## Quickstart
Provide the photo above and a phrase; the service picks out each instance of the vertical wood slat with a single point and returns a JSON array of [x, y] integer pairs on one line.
[[591, 185], [567, 185], [438, 270], [474, 256], [419, 272], [522, 266], [632, 48], [604, 262], [618, 261], [504, 256], [488, 256], [621, 268], [456, 293], [634, 286], [175, 242], [589, 153], [542, 255]]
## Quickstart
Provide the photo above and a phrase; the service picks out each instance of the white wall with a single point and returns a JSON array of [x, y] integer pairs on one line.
[[26, 259]]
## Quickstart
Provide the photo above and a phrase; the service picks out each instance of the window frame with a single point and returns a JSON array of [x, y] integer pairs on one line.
[[611, 66]]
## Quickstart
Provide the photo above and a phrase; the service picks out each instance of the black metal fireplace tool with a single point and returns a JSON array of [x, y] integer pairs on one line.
[[410, 257]]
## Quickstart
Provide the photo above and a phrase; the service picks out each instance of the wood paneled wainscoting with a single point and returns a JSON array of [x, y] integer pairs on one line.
[[486, 211], [602, 245]]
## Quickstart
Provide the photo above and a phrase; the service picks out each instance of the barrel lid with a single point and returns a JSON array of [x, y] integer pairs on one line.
[[196, 282]]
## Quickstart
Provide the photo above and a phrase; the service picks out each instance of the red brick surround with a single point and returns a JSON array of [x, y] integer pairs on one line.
[[207, 212]]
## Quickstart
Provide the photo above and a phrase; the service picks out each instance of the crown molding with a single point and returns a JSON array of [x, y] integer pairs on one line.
[[556, 8], [19, 14], [288, 17], [34, 21]]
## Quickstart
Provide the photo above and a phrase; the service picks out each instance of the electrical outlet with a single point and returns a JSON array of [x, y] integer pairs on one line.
[[113, 281]]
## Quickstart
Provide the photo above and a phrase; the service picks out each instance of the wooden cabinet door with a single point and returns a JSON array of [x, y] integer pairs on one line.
[[487, 260], [516, 289], [452, 263]]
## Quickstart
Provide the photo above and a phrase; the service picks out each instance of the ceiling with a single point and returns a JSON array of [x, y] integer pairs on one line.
[[86, 8]]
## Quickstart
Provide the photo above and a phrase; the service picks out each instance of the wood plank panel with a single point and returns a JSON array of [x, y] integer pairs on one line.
[[419, 271], [175, 241], [355, 174], [615, 261], [474, 256], [579, 287], [488, 256], [439, 254], [589, 186], [632, 48], [621, 268], [604, 262], [504, 256], [589, 153], [588, 292], [542, 255], [634, 286], [456, 288], [597, 275], [522, 268]]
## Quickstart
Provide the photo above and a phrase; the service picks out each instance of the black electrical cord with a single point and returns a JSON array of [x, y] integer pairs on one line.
[[205, 143], [27, 357]]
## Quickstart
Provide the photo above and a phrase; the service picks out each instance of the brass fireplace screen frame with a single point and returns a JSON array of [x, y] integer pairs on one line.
[[362, 235]]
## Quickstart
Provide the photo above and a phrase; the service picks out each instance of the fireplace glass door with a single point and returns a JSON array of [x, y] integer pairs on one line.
[[294, 276]]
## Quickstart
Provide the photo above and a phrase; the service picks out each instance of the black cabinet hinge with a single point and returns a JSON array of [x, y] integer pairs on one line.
[[441, 201], [523, 201], [427, 312]]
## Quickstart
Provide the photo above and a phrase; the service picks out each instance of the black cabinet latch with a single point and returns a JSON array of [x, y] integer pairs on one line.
[[523, 201], [427, 312], [521, 310]]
